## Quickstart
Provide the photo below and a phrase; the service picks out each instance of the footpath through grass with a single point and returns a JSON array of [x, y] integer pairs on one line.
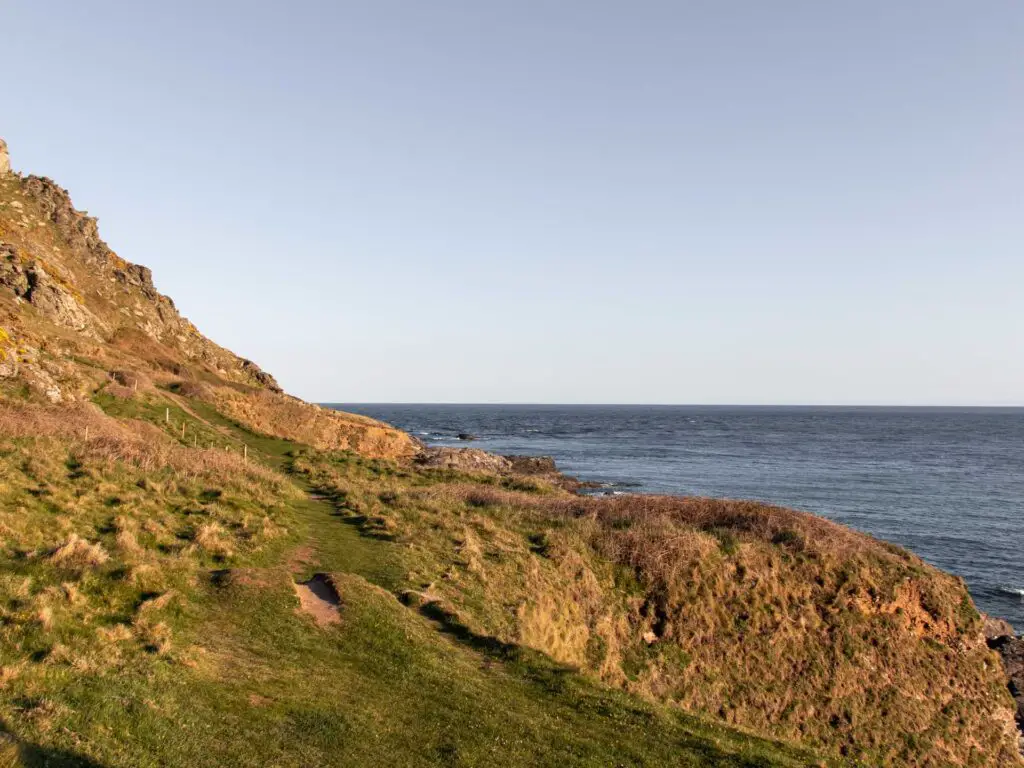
[[215, 665]]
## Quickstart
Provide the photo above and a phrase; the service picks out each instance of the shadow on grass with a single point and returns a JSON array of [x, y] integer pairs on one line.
[[554, 678], [698, 738], [15, 753], [449, 624]]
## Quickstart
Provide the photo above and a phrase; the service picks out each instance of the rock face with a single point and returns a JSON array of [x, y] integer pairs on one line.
[[49, 293], [464, 459], [53, 258], [475, 460], [533, 465], [5, 159], [73, 312], [1011, 651], [993, 627], [260, 376]]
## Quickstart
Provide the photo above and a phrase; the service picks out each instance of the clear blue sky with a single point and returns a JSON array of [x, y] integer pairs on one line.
[[474, 201]]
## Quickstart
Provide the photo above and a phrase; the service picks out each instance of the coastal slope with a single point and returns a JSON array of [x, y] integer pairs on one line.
[[199, 569], [77, 318]]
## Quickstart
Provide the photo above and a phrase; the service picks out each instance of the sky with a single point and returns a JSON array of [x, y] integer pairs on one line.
[[582, 201]]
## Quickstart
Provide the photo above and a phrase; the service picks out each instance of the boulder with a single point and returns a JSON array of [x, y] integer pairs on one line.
[[5, 159], [993, 627]]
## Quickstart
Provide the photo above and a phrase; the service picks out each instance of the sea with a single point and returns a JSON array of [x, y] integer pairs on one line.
[[946, 483]]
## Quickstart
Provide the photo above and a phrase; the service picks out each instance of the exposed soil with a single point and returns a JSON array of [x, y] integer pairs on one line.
[[319, 599]]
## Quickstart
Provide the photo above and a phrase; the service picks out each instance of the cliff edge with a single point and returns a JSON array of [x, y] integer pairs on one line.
[[77, 319]]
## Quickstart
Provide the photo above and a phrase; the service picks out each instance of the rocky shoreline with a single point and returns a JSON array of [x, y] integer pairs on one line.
[[476, 460], [1000, 637]]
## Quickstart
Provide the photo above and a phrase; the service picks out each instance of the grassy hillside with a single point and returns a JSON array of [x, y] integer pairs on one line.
[[149, 617], [198, 569], [762, 617]]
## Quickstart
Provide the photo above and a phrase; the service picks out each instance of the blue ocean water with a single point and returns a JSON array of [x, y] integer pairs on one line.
[[946, 483]]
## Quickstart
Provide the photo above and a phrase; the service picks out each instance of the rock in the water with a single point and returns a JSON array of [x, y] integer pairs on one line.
[[465, 436]]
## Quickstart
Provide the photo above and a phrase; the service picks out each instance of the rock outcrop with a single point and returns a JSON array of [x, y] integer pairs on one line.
[[476, 460], [533, 465], [72, 311], [5, 159], [1011, 651], [993, 627], [464, 460], [53, 258]]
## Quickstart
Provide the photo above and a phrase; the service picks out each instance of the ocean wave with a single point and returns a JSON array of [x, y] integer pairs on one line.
[[1012, 591]]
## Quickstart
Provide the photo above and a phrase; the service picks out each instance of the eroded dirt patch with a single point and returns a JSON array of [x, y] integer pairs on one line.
[[319, 599]]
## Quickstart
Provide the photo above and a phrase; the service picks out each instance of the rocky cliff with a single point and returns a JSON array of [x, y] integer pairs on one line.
[[74, 317]]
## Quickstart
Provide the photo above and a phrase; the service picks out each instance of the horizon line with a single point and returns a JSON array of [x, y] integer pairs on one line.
[[678, 405]]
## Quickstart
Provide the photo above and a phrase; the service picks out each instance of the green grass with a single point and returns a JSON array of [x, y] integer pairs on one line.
[[98, 666], [771, 619], [385, 689]]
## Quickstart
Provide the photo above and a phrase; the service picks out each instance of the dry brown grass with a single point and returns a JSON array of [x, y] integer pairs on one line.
[[100, 437], [272, 413], [126, 540], [765, 617], [76, 552], [213, 539]]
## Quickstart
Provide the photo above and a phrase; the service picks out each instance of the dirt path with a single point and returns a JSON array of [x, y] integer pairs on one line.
[[319, 599], [182, 403]]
